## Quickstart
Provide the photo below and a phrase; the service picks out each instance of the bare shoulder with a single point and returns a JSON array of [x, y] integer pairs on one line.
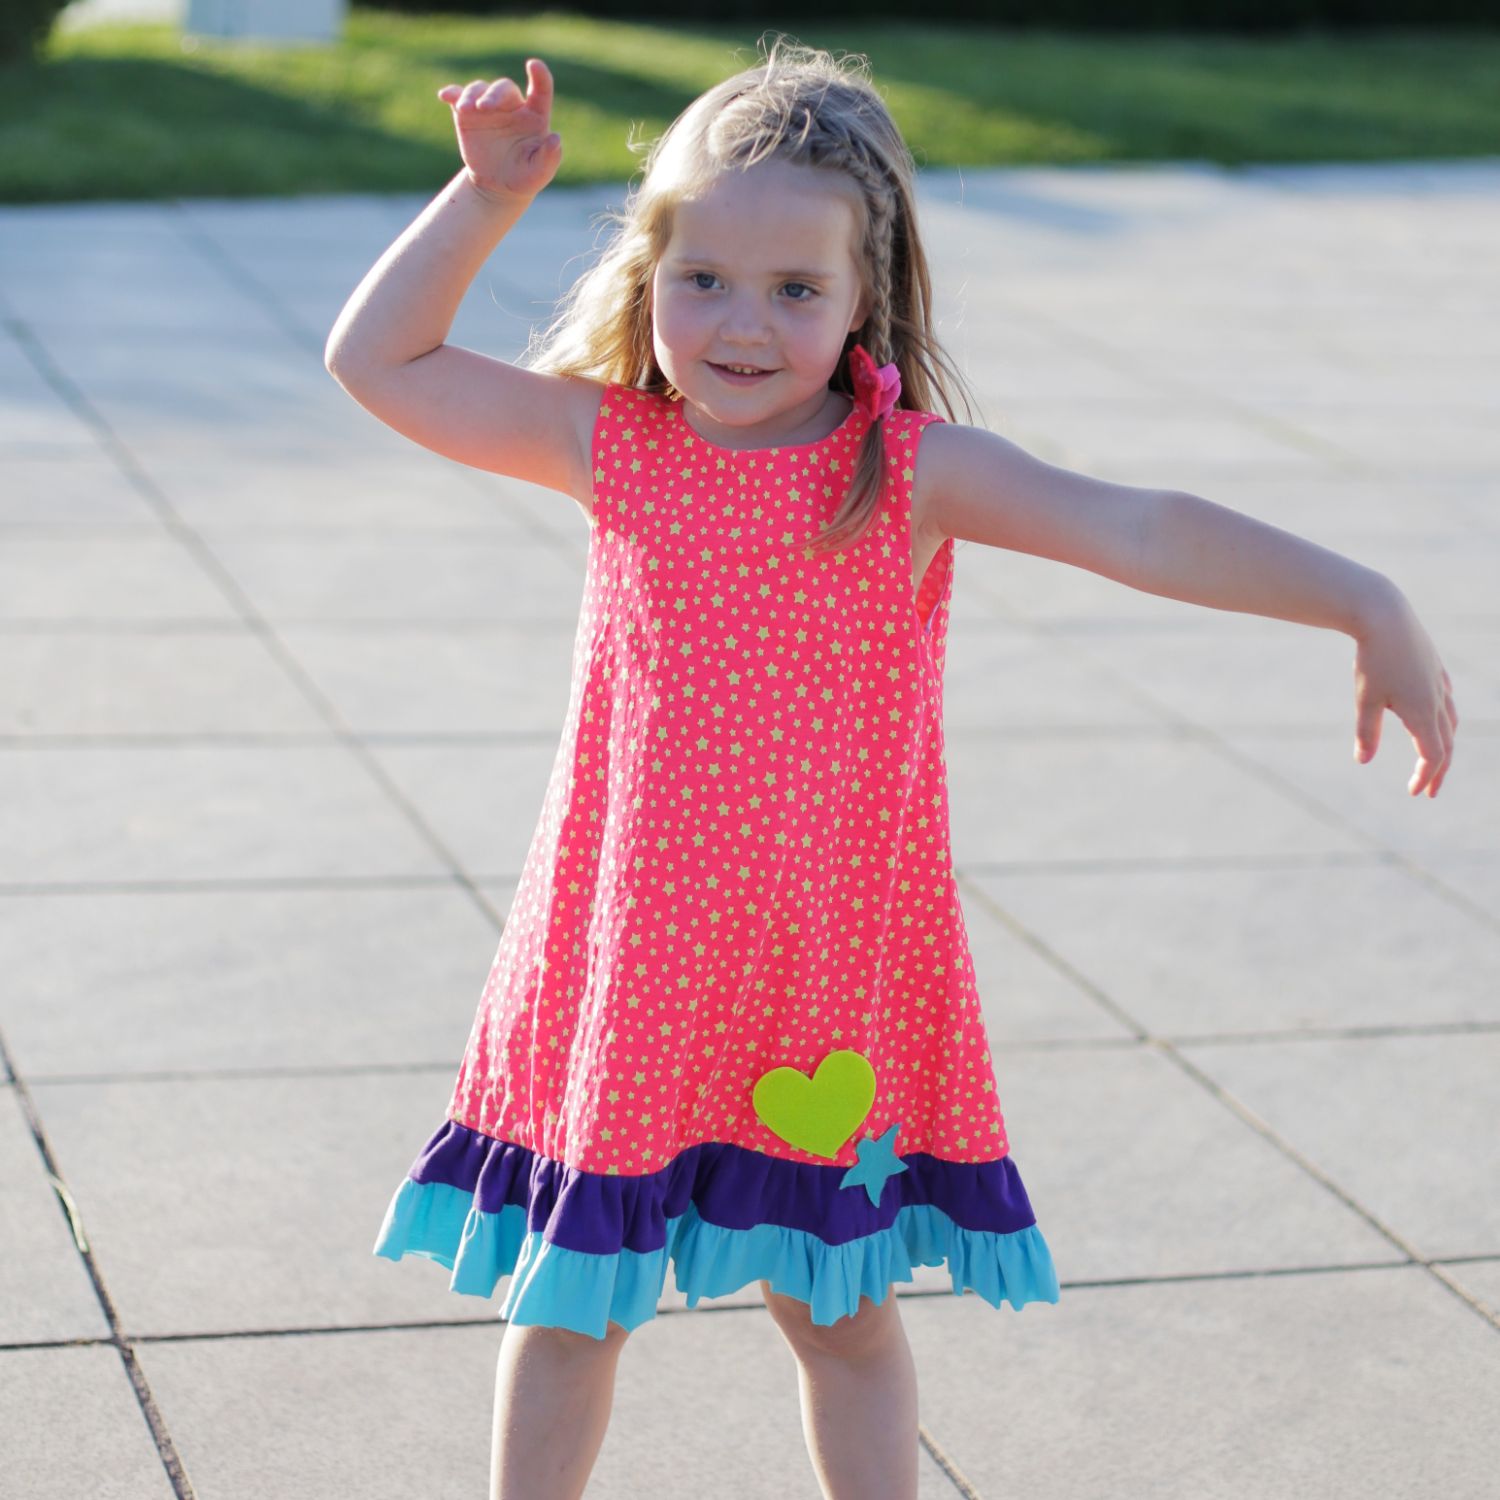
[[575, 402], [584, 396], [939, 458]]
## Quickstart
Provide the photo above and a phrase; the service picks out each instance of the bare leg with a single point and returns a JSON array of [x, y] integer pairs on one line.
[[553, 1393], [858, 1384]]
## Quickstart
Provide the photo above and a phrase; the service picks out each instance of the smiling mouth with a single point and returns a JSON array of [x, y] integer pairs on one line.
[[744, 371]]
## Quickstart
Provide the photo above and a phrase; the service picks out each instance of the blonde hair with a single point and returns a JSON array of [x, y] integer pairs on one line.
[[801, 106]]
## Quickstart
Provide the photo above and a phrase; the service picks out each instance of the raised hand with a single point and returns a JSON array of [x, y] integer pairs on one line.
[[506, 141], [1396, 667]]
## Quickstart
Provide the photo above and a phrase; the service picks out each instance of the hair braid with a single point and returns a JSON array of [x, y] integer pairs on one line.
[[880, 211], [851, 155]]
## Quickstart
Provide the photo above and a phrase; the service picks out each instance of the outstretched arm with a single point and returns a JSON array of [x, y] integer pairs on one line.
[[984, 488]]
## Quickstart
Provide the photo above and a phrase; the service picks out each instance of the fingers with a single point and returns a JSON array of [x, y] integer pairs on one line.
[[539, 92], [501, 94], [1367, 730], [1450, 729], [1447, 732], [1435, 749], [1434, 742], [504, 93]]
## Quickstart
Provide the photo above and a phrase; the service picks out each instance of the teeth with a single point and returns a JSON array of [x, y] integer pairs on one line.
[[743, 369]]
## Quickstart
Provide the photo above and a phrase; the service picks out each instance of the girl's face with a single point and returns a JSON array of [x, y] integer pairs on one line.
[[760, 271]]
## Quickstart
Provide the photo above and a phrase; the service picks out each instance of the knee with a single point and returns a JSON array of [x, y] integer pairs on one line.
[[848, 1337]]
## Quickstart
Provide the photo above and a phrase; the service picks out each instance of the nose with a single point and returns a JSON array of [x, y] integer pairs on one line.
[[744, 320]]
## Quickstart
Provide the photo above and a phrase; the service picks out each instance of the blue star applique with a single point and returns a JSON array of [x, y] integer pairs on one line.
[[877, 1161]]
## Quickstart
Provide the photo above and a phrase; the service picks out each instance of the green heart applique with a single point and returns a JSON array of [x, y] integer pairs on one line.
[[819, 1113]]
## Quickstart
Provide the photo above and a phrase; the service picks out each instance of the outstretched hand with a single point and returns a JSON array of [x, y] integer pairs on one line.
[[1396, 667], [506, 140]]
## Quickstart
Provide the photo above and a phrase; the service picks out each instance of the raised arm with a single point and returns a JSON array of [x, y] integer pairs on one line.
[[982, 487], [387, 347]]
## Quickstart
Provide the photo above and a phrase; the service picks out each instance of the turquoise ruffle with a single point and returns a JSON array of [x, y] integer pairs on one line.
[[574, 1289]]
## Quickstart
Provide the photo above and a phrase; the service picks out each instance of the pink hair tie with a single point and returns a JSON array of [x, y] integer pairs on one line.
[[874, 390]]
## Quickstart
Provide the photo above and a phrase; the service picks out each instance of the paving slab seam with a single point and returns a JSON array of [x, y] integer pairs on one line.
[[1167, 732], [166, 1448], [190, 625], [60, 625], [221, 1075], [951, 1471], [239, 883], [1102, 864], [295, 739], [1352, 1033], [487, 1321], [1099, 624]]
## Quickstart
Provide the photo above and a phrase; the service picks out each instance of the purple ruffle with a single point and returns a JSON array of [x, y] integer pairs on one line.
[[730, 1186]]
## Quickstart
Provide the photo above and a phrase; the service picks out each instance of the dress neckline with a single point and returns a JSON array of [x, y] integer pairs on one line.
[[850, 417]]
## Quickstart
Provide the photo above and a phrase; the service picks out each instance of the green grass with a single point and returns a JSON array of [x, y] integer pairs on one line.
[[137, 111]]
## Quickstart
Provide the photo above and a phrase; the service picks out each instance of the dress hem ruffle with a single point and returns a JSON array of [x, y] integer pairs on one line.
[[583, 1290]]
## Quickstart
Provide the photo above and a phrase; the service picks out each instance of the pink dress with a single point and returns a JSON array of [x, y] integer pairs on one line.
[[732, 1022]]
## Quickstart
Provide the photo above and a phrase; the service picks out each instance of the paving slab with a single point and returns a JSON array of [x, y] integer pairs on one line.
[[102, 576], [178, 812], [1027, 992], [1471, 878], [403, 1412], [1045, 685], [379, 490], [1372, 798], [1255, 673], [152, 679], [1268, 948], [1374, 1384], [45, 1291], [34, 416], [1120, 795], [427, 576], [1478, 1278], [228, 1204], [483, 800], [134, 983], [1404, 1125], [1137, 1170], [489, 679], [73, 1426]]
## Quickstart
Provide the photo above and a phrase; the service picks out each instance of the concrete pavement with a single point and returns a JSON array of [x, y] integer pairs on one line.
[[272, 749]]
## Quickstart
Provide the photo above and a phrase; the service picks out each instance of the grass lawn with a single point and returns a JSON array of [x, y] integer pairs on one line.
[[139, 111]]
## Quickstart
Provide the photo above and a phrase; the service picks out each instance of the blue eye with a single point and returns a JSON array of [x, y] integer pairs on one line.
[[696, 279]]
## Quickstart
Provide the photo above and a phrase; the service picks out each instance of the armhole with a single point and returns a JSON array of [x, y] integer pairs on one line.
[[936, 587], [604, 420]]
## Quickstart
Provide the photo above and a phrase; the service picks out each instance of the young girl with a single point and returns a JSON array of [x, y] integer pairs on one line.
[[732, 1021]]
